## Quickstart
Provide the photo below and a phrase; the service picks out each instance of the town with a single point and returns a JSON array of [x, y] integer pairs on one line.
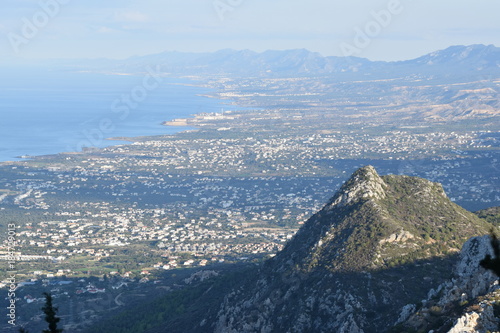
[[232, 189]]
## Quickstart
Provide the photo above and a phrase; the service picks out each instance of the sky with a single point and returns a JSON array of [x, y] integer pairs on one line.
[[118, 29]]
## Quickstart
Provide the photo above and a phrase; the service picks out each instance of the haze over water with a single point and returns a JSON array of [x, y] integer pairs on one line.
[[45, 112]]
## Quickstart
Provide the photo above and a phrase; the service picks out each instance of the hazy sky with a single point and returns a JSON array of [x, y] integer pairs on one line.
[[378, 30]]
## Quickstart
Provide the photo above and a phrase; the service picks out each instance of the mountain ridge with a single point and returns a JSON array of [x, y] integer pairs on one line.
[[304, 62], [388, 215], [472, 59]]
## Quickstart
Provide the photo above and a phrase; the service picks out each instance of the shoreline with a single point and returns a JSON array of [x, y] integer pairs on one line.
[[175, 124], [128, 139]]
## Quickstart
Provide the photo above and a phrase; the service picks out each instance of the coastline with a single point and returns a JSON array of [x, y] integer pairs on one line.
[[176, 124], [183, 125]]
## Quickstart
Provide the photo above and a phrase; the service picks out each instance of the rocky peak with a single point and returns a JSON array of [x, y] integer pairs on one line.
[[380, 221], [364, 184]]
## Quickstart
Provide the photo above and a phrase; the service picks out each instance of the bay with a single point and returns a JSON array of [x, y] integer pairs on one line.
[[45, 112]]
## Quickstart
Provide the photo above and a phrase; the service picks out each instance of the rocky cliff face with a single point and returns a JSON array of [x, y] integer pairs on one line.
[[383, 251], [464, 303]]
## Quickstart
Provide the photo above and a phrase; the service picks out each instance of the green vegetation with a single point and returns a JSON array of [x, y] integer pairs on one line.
[[491, 215], [179, 310], [50, 315], [412, 219]]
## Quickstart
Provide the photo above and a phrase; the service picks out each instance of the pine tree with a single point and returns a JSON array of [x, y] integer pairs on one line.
[[50, 315]]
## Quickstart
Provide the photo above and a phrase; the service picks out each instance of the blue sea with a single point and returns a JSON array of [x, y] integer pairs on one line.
[[46, 112]]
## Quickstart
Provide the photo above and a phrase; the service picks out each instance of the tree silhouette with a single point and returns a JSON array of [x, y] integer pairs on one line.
[[50, 315], [493, 264]]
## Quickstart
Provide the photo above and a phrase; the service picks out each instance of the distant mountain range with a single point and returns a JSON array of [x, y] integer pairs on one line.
[[455, 60], [382, 256]]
